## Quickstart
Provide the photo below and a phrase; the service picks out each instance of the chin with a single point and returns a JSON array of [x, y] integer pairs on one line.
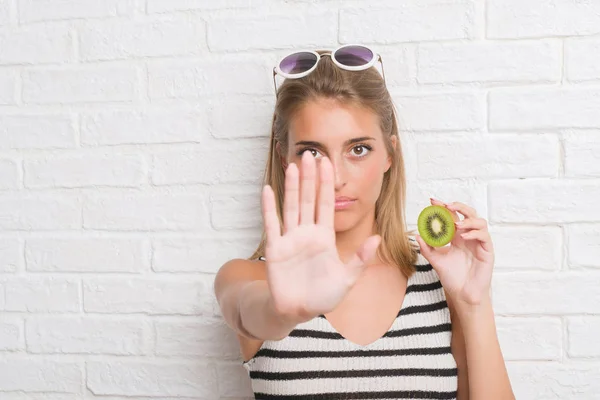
[[343, 221]]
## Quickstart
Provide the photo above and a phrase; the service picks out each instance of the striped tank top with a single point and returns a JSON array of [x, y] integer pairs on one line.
[[412, 360]]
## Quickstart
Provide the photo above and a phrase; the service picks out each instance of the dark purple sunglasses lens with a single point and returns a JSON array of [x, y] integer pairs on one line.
[[298, 62], [354, 56]]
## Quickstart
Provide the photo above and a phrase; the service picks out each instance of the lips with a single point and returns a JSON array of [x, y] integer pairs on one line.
[[343, 198], [343, 202]]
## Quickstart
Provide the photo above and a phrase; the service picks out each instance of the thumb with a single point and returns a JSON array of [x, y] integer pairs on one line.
[[426, 249], [364, 253]]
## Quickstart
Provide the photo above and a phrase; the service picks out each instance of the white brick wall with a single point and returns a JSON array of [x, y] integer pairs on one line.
[[133, 135]]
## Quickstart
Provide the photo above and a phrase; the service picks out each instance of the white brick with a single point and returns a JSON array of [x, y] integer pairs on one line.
[[453, 111], [79, 254], [582, 154], [272, 31], [2, 296], [11, 255], [533, 18], [39, 212], [12, 337], [581, 56], [526, 61], [407, 23], [34, 294], [144, 127], [399, 64], [87, 335], [523, 109], [8, 86], [583, 333], [5, 12], [205, 254], [233, 381], [81, 169], [255, 111], [237, 208], [530, 338], [35, 375], [127, 39], [537, 248], [184, 79], [36, 131], [159, 6], [544, 201], [36, 45], [149, 296], [78, 84], [9, 174], [40, 396], [48, 10], [584, 245], [223, 163], [147, 378], [489, 156], [146, 211], [553, 381], [546, 293], [208, 338]]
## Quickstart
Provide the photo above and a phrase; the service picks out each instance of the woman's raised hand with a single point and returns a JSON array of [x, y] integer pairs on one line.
[[305, 274]]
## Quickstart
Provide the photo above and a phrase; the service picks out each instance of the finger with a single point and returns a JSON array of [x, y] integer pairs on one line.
[[357, 263], [290, 199], [481, 235], [271, 221], [471, 223], [326, 201], [307, 190], [468, 212]]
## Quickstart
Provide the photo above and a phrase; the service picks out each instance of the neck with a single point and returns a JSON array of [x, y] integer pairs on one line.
[[349, 241]]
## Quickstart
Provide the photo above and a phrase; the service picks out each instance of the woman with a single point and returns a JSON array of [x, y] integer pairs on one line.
[[339, 301]]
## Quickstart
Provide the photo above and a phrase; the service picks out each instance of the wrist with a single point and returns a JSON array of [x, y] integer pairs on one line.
[[287, 322], [474, 311]]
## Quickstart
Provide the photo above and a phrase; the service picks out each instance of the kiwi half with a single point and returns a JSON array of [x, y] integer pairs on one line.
[[436, 225]]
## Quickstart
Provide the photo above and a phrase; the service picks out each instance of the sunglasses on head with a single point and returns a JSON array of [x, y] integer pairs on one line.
[[351, 57]]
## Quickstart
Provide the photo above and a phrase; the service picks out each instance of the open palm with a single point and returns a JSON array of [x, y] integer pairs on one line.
[[305, 274]]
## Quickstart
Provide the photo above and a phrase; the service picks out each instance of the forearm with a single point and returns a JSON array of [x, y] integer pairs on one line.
[[488, 377], [257, 318]]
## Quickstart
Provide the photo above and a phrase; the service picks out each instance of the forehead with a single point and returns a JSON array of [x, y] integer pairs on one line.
[[331, 121]]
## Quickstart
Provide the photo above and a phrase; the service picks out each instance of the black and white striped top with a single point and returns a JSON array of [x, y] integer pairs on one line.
[[412, 360]]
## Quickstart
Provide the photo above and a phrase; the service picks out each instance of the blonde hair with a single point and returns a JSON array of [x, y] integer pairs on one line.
[[365, 89]]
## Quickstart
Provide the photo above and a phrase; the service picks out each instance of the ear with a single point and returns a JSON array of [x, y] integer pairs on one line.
[[388, 164], [281, 156]]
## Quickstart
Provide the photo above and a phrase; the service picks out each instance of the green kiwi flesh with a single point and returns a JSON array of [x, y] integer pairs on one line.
[[436, 225]]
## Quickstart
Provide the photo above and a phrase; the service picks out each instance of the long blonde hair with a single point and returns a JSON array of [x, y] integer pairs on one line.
[[366, 89]]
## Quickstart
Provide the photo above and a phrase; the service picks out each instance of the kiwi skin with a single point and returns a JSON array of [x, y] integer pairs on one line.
[[436, 225]]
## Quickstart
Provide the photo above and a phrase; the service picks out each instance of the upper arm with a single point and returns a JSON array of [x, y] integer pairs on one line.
[[459, 352], [232, 277]]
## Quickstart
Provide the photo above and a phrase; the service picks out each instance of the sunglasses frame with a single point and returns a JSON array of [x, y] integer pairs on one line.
[[331, 53]]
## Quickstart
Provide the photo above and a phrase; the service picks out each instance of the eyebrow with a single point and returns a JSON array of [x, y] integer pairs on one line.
[[347, 142]]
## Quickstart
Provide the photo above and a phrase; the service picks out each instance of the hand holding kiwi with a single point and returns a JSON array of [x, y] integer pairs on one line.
[[304, 272], [465, 266]]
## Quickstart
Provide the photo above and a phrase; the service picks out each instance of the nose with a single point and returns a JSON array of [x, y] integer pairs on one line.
[[339, 172]]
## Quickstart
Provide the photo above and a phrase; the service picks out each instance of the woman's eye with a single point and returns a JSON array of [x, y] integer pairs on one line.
[[363, 152], [313, 152]]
